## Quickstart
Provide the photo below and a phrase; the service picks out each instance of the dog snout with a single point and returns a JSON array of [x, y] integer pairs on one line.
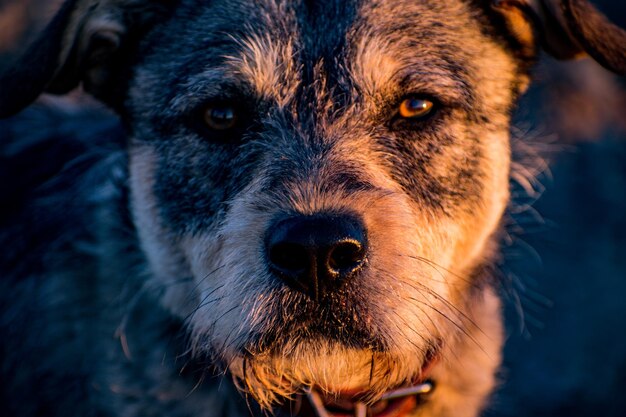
[[316, 254]]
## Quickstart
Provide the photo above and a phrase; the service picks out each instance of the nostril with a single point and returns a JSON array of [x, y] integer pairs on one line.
[[346, 256], [289, 257]]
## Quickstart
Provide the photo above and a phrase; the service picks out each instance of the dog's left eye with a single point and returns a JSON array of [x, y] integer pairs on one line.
[[220, 117], [415, 108]]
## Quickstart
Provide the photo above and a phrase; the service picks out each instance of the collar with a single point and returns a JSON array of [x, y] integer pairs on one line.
[[363, 410]]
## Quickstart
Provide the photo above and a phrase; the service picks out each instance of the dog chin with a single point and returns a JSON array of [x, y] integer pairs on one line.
[[329, 368]]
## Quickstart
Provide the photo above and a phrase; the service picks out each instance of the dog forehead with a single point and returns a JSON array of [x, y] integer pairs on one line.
[[273, 46]]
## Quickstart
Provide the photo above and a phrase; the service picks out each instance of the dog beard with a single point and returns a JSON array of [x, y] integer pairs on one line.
[[326, 366], [332, 346]]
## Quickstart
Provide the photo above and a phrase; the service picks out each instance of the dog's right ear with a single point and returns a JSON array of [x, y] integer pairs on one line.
[[88, 41]]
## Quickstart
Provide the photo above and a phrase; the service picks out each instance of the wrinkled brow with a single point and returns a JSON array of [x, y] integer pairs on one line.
[[381, 70], [256, 66]]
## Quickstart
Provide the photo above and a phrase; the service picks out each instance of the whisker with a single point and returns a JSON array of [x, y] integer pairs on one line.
[[438, 268]]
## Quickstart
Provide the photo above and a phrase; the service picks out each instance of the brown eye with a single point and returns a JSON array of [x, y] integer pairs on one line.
[[220, 117], [415, 108]]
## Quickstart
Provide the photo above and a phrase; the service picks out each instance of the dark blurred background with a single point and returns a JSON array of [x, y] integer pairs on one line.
[[564, 268]]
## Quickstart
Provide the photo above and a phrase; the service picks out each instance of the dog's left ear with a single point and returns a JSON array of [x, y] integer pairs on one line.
[[88, 41], [565, 29]]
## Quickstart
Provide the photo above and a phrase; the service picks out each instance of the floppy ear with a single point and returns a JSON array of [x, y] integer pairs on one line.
[[566, 29], [88, 41]]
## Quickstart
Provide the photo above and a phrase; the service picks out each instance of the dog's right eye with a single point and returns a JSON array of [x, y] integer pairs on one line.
[[223, 121], [220, 117]]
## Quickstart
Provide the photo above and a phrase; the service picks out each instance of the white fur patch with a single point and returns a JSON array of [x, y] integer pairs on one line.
[[168, 266]]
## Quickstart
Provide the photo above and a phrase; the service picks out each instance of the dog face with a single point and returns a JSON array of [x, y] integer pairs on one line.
[[317, 184], [249, 152]]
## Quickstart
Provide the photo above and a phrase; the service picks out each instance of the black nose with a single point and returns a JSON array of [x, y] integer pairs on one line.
[[316, 254]]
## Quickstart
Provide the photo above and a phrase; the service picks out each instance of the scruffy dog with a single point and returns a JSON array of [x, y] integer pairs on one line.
[[298, 216]]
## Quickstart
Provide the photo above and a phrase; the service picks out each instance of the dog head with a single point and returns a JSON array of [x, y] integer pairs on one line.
[[316, 183]]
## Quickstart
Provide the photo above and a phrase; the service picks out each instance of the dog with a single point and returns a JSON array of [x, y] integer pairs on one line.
[[298, 216]]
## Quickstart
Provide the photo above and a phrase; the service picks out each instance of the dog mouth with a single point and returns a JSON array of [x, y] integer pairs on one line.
[[398, 402]]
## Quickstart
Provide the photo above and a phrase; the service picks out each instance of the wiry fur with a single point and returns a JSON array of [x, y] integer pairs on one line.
[[320, 156], [175, 246]]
